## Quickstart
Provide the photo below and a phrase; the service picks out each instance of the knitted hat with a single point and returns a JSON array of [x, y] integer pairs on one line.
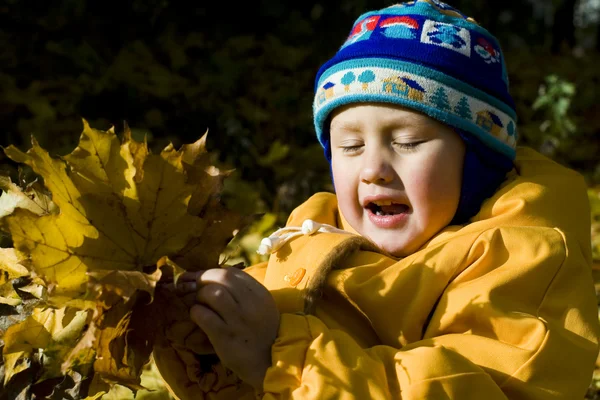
[[427, 56]]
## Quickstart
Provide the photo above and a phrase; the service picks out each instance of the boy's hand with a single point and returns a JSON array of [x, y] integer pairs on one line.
[[240, 318]]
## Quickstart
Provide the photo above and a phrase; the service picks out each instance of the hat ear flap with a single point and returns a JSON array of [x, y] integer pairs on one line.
[[484, 170], [327, 149]]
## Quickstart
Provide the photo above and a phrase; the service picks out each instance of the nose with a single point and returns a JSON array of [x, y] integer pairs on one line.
[[375, 169]]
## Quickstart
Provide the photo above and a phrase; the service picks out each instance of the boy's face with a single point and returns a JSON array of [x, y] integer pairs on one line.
[[397, 173]]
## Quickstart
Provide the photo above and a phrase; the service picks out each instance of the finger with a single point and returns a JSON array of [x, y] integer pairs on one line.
[[181, 287], [218, 298], [167, 276], [236, 281], [199, 343], [207, 320], [189, 299], [189, 276]]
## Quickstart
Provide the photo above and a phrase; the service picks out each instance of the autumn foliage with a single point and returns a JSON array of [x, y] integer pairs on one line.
[[92, 238]]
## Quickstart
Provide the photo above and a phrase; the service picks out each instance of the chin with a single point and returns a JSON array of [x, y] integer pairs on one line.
[[396, 249]]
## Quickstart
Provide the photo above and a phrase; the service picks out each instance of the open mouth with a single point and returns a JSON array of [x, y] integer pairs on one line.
[[387, 209]]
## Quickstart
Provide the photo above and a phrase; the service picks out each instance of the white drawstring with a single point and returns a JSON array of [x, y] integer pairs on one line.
[[281, 236]]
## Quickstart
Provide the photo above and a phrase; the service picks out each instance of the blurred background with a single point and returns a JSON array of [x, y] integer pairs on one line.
[[244, 71]]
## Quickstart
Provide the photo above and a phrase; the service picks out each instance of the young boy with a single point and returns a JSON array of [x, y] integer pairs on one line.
[[447, 266]]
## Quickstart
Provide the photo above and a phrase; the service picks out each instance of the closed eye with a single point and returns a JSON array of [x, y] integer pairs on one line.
[[408, 146], [350, 149]]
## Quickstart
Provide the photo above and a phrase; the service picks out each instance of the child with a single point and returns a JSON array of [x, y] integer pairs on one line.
[[447, 266]]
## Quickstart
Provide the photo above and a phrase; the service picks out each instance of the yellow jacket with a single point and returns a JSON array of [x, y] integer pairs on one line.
[[501, 308]]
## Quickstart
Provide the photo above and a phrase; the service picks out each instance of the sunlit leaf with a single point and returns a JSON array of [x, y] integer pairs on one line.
[[32, 198], [10, 265], [112, 220], [15, 363]]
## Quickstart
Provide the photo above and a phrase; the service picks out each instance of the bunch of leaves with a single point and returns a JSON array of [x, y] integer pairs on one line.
[[594, 197], [110, 221]]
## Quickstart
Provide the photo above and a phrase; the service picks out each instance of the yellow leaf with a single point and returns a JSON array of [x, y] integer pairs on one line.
[[139, 152], [124, 214], [155, 388], [31, 199], [29, 334], [203, 252], [15, 363], [8, 295], [594, 196], [54, 331], [43, 326], [152, 380], [10, 267], [125, 283], [95, 396], [125, 338], [196, 162], [83, 353], [177, 271], [107, 220], [36, 288], [67, 328]]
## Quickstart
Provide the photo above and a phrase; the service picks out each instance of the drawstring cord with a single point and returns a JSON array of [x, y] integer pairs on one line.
[[281, 236]]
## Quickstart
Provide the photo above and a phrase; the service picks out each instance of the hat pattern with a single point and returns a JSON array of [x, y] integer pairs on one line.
[[448, 104], [428, 56]]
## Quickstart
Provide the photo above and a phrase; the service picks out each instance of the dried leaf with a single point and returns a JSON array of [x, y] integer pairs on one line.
[[125, 283], [203, 252], [177, 271], [72, 386], [31, 199], [81, 357], [125, 215], [107, 221], [10, 265], [9, 296], [29, 334], [15, 363], [125, 339], [36, 288], [50, 329]]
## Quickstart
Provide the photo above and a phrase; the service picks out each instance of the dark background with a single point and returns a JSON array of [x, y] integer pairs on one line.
[[244, 71]]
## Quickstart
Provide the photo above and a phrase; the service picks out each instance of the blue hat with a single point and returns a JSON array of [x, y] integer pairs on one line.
[[427, 56]]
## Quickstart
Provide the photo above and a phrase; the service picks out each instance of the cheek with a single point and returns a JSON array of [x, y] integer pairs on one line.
[[346, 188], [435, 186]]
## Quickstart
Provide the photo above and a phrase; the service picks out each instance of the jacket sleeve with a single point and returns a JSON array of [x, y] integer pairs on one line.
[[503, 340]]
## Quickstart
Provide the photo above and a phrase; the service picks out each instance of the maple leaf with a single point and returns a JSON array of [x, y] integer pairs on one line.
[[32, 198], [110, 222], [53, 329], [10, 268]]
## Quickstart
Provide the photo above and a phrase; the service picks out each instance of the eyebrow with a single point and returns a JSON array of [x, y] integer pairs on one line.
[[350, 126], [411, 120], [354, 126]]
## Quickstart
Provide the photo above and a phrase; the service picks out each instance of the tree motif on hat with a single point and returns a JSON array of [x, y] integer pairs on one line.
[[366, 77], [347, 79], [440, 99], [462, 109]]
